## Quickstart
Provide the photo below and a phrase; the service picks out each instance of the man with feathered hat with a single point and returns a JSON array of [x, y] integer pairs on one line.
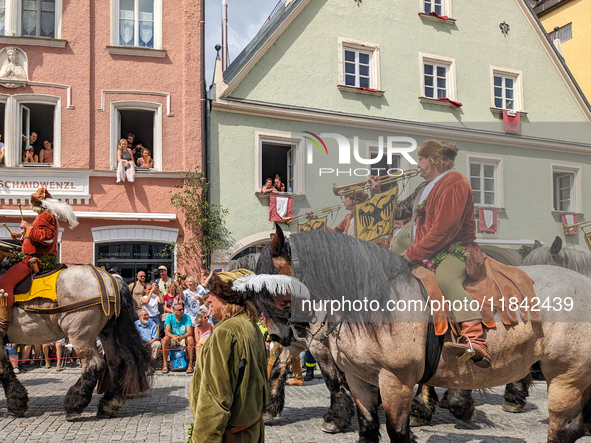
[[39, 240], [442, 211], [229, 388]]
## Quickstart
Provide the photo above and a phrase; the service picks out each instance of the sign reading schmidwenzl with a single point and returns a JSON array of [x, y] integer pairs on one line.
[[21, 184]]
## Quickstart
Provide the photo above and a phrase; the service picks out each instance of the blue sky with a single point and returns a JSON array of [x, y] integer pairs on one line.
[[244, 16]]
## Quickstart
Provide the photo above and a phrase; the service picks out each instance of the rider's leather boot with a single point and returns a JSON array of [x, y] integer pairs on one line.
[[472, 344], [297, 373], [5, 318]]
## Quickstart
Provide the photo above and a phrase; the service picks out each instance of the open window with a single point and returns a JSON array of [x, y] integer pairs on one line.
[[278, 158], [566, 189], [37, 123]]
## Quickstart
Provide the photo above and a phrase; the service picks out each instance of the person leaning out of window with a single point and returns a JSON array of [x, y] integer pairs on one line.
[[268, 188], [125, 167], [46, 154], [29, 155], [146, 159]]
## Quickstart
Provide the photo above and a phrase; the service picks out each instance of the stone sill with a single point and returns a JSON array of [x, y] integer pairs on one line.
[[140, 173], [33, 41], [281, 194], [499, 111], [579, 214], [136, 51], [433, 101], [477, 207], [359, 90], [449, 21], [35, 165]]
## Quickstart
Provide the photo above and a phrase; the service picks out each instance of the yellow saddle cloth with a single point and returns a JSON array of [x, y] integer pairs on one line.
[[44, 287]]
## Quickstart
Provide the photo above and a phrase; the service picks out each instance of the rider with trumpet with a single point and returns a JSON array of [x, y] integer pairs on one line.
[[38, 239], [442, 211]]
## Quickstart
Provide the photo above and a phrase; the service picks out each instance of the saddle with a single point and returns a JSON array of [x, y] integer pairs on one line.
[[494, 286], [44, 285]]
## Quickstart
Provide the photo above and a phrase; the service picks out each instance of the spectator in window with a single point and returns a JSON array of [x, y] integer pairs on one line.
[[268, 188], [146, 159], [12, 354], [150, 302], [277, 183], [29, 155], [125, 168], [2, 151], [173, 295], [58, 354], [138, 289], [33, 142], [178, 331], [46, 154], [148, 331]]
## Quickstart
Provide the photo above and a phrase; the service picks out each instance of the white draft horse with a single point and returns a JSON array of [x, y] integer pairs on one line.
[[386, 359]]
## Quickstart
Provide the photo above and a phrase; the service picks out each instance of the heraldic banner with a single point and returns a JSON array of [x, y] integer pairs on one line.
[[313, 225], [373, 218]]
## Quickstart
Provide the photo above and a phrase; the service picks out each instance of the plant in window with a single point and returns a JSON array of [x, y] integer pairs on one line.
[[204, 221]]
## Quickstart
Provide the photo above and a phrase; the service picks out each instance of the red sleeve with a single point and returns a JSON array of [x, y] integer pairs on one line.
[[44, 228], [450, 209], [343, 225]]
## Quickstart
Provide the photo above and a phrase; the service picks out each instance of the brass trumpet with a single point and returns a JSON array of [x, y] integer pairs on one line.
[[318, 213], [383, 179], [582, 225]]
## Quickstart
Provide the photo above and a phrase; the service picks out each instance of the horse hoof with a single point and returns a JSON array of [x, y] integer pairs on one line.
[[471, 418], [512, 407], [415, 422], [268, 416], [330, 428], [73, 416], [103, 414], [444, 403]]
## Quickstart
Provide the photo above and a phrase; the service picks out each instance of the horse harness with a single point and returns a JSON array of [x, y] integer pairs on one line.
[[104, 298]]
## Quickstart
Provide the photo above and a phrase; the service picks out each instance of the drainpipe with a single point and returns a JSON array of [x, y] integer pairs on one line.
[[204, 112]]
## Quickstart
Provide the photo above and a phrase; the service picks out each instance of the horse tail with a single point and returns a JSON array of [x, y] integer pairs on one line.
[[134, 356]]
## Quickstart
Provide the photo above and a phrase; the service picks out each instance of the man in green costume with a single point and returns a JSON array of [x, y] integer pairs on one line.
[[229, 388]]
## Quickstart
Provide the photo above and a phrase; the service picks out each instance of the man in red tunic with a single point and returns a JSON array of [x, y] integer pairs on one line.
[[38, 239], [442, 211]]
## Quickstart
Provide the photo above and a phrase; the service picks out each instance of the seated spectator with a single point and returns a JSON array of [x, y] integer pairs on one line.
[[203, 329], [130, 139], [58, 354], [178, 332], [29, 155], [146, 159], [27, 353], [2, 151], [12, 354], [148, 331], [173, 295], [268, 188], [46, 154], [192, 299], [125, 168], [277, 183], [150, 302]]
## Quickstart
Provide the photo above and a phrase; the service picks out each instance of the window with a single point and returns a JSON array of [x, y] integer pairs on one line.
[[507, 89], [439, 7], [144, 120], [359, 65], [278, 154], [566, 188], [483, 180], [31, 18], [564, 33], [438, 77], [137, 23]]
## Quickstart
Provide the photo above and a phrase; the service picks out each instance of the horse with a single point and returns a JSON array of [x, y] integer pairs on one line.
[[385, 358], [338, 417], [460, 402], [125, 369]]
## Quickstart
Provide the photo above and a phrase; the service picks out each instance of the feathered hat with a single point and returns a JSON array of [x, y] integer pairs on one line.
[[220, 285], [39, 196]]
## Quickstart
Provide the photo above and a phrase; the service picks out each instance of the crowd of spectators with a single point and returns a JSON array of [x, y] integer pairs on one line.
[[33, 152]]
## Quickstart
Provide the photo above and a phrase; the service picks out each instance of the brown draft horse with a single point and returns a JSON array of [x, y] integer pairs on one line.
[[387, 359]]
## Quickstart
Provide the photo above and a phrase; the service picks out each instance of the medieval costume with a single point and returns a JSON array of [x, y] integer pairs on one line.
[[39, 243], [229, 388], [443, 227], [347, 225]]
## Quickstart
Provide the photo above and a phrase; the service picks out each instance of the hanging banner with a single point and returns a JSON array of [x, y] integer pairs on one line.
[[373, 218], [313, 225]]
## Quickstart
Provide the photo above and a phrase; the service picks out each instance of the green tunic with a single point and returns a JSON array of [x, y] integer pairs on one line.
[[218, 399]]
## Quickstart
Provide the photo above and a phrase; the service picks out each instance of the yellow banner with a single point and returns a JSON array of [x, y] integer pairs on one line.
[[373, 218], [588, 239], [313, 225]]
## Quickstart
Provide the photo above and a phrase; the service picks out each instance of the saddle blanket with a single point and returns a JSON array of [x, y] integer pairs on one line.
[[44, 287], [497, 284]]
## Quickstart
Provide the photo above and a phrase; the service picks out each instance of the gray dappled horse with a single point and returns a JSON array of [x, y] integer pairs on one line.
[[127, 359], [385, 359], [338, 417]]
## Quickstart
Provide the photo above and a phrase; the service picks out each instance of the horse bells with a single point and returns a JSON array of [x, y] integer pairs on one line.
[[3, 298]]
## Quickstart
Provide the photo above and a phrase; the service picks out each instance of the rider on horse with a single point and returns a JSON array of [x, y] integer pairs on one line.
[[442, 210], [38, 239]]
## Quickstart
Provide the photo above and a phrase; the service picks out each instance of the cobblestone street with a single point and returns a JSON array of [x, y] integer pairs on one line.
[[165, 416]]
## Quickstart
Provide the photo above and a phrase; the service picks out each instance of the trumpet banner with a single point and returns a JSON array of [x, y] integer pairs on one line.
[[373, 218], [313, 225], [588, 239]]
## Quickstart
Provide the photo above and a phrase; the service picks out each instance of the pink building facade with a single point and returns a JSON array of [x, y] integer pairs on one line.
[[81, 75]]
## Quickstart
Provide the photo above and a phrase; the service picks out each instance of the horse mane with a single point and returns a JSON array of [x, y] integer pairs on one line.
[[247, 262], [572, 259], [334, 266]]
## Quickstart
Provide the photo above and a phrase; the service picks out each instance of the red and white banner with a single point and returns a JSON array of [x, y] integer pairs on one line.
[[511, 121], [280, 208], [570, 219], [487, 220]]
